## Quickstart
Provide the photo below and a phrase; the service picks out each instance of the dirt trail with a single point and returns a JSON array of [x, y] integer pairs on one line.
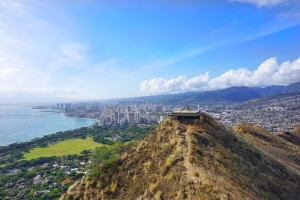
[[186, 149]]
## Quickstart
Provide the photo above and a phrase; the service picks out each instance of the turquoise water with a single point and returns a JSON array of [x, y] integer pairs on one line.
[[20, 123]]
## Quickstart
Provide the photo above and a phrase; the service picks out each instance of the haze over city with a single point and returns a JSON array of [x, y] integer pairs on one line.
[[111, 49]]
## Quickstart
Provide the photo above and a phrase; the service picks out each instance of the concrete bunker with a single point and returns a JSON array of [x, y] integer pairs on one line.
[[185, 114]]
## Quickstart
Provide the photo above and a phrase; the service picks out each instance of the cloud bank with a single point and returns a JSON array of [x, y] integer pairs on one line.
[[261, 3], [268, 73]]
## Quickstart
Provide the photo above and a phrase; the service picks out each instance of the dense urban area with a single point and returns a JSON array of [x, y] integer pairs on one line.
[[274, 115], [120, 123]]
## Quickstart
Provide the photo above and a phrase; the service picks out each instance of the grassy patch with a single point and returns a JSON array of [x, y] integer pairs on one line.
[[68, 147], [2, 165]]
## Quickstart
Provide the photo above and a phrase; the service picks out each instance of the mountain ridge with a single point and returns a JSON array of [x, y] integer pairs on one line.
[[235, 93], [200, 160], [278, 89], [274, 144]]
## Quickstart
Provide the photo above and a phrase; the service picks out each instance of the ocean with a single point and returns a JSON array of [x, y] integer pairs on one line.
[[22, 123]]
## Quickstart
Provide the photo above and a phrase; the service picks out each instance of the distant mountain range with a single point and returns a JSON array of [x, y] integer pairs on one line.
[[238, 94], [278, 89]]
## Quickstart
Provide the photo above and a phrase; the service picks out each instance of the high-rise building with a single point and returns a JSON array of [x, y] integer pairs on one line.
[[137, 117], [122, 123], [67, 107], [121, 117], [148, 117], [159, 108], [130, 117], [161, 119], [116, 117], [101, 122], [113, 122]]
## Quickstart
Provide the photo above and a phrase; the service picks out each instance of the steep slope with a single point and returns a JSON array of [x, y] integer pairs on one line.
[[274, 145], [278, 89], [255, 102], [205, 160], [238, 94], [292, 136], [296, 130]]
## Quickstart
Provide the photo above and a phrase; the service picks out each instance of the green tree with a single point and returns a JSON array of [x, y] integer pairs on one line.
[[3, 193]]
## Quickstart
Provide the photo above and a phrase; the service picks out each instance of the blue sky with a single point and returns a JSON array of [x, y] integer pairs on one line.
[[112, 49]]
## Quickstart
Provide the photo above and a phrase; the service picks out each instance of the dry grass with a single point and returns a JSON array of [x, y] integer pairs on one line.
[[202, 161], [171, 176], [113, 186], [153, 187], [134, 178], [170, 160], [158, 196], [147, 166], [281, 149]]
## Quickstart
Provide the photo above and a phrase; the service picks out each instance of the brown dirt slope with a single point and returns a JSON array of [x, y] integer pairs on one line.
[[205, 160], [292, 136], [281, 149]]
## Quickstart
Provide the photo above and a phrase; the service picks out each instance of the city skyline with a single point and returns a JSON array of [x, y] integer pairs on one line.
[[103, 50]]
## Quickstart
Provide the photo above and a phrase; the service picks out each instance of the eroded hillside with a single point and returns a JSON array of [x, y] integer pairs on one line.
[[292, 136], [278, 147], [204, 160]]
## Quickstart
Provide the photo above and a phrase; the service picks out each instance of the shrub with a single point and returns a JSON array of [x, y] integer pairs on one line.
[[113, 186], [153, 187], [170, 160]]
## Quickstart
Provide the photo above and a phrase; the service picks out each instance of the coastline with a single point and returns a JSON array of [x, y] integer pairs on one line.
[[20, 124], [42, 137]]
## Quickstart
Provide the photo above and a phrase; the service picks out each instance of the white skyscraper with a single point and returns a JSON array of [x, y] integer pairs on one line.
[[137, 117]]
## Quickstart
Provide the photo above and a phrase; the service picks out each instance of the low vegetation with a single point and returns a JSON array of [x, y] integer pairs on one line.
[[104, 135], [63, 159], [284, 151], [204, 160], [67, 147]]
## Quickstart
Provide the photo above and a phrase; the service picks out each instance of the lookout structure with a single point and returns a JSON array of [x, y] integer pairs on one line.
[[185, 113]]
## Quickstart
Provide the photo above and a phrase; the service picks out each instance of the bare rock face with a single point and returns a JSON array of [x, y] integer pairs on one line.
[[203, 160]]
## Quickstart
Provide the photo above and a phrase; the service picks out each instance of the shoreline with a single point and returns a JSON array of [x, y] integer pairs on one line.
[[14, 136], [46, 135]]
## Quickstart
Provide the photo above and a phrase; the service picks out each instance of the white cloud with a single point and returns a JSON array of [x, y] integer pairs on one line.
[[9, 70], [75, 51], [34, 90], [261, 3], [268, 73], [197, 83], [180, 84], [243, 77], [288, 72]]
